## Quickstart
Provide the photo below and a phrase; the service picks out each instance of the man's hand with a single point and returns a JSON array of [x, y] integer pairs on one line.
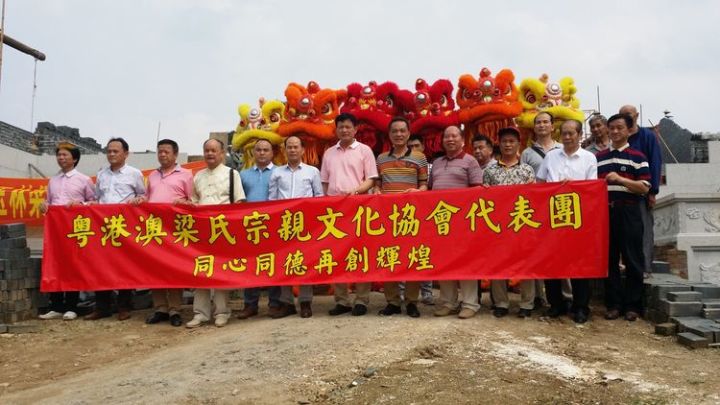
[[137, 200], [613, 177], [43, 207], [182, 201]]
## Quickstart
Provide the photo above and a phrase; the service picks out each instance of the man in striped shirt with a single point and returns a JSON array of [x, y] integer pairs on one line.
[[401, 170], [627, 174]]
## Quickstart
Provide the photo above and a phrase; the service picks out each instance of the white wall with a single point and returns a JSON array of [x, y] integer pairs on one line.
[[14, 163]]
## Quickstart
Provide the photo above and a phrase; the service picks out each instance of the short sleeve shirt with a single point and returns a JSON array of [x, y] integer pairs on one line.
[[398, 174], [166, 188], [344, 169], [559, 166], [457, 172], [501, 174], [119, 186], [213, 186]]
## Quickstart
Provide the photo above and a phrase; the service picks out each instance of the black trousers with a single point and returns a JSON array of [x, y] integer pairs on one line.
[[626, 238], [103, 300], [64, 301], [580, 292]]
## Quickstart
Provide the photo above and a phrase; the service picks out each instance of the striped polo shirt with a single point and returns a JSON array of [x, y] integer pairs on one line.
[[458, 172], [401, 173], [628, 163]]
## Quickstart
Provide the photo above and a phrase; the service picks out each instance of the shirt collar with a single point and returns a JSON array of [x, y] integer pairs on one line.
[[501, 163], [70, 173], [620, 149], [352, 145], [459, 156], [576, 153], [175, 169], [268, 167], [218, 169], [300, 166], [555, 145]]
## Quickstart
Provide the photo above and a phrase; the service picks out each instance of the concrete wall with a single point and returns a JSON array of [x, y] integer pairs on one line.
[[14, 163]]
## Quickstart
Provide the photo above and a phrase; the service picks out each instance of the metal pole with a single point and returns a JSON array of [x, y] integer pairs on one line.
[[598, 97], [34, 91], [2, 38]]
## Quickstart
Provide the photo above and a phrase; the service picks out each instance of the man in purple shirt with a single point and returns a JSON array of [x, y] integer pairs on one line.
[[172, 184], [68, 187], [456, 169]]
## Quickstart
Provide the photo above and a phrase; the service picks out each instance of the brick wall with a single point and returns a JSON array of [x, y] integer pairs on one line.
[[676, 258], [45, 138], [20, 295]]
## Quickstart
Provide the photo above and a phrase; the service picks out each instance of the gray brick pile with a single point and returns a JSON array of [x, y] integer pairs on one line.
[[19, 276], [46, 137], [690, 310]]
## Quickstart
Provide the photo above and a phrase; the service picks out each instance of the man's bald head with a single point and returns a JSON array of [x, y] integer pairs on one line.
[[631, 111]]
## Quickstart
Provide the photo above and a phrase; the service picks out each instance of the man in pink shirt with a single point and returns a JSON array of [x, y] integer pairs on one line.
[[68, 187], [173, 184], [348, 168]]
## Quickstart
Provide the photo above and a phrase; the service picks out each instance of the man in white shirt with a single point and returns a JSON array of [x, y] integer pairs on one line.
[[212, 186], [117, 183], [569, 163]]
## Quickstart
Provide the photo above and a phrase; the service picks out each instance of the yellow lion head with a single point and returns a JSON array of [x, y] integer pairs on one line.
[[259, 123], [558, 99]]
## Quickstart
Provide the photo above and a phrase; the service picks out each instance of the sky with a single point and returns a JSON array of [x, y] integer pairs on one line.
[[118, 68]]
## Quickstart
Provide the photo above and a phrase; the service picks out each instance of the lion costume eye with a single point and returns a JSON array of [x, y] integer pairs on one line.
[[467, 94], [530, 97], [274, 117], [327, 109], [443, 100], [389, 101]]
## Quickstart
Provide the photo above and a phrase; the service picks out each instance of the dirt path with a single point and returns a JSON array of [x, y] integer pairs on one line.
[[355, 360]]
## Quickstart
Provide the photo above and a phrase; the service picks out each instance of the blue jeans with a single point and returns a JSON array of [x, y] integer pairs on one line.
[[251, 296]]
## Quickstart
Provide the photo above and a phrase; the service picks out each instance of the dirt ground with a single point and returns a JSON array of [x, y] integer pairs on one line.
[[358, 360]]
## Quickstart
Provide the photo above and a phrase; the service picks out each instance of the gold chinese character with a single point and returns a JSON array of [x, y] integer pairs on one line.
[[406, 224], [114, 228], [236, 265], [329, 220], [370, 215], [293, 226], [255, 226], [81, 230], [153, 230], [522, 215], [565, 211], [18, 203], [294, 264], [3, 209], [218, 226], [355, 258], [326, 262], [204, 264], [36, 199], [388, 257], [420, 257], [442, 214], [482, 210], [184, 231], [265, 263]]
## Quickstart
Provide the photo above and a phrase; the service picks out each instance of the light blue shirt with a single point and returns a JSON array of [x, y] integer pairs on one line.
[[119, 186], [255, 182], [286, 183]]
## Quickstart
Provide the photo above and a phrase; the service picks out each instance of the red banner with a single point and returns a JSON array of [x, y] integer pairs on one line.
[[551, 230], [20, 199]]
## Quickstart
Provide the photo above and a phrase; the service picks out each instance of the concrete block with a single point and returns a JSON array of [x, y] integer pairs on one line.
[[659, 292], [18, 263], [707, 290], [684, 296], [711, 313], [659, 267], [23, 328], [707, 333], [656, 316], [680, 308], [665, 329], [14, 253], [684, 321], [14, 274], [3, 328], [13, 243], [12, 230], [692, 340], [3, 264]]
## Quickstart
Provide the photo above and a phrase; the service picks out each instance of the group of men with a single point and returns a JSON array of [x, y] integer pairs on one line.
[[621, 153]]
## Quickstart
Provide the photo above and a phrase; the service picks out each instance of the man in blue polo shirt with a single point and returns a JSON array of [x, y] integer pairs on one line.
[[627, 174], [255, 182]]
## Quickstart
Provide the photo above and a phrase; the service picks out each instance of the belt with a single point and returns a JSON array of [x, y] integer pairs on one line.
[[623, 203]]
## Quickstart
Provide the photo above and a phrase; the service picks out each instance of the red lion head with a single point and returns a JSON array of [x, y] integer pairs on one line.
[[310, 114], [374, 106], [487, 103], [432, 111]]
